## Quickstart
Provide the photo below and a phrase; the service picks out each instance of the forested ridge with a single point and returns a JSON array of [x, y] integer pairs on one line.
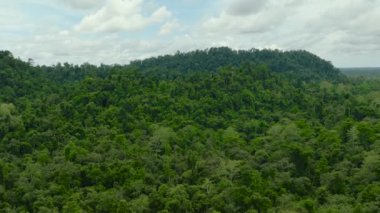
[[212, 130]]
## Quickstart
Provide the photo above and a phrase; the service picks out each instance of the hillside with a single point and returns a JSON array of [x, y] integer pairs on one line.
[[206, 131]]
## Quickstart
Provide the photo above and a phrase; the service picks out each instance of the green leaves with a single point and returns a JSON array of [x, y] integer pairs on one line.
[[205, 131], [9, 120]]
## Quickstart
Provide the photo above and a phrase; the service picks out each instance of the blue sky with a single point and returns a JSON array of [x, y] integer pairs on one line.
[[345, 32]]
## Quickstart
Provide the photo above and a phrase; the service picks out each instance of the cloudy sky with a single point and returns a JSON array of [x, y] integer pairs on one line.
[[345, 32]]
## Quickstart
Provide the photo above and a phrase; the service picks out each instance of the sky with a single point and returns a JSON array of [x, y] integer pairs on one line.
[[345, 32]]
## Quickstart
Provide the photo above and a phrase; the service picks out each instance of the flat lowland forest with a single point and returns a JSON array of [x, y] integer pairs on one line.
[[368, 72]]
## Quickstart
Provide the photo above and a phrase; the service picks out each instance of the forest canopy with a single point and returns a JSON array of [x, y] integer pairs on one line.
[[214, 130]]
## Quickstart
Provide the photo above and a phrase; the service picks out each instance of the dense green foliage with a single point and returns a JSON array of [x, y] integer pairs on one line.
[[206, 131]]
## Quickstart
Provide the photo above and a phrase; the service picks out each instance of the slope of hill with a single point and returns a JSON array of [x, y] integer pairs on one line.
[[255, 131]]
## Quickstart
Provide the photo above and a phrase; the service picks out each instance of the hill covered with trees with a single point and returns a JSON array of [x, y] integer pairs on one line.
[[215, 130]]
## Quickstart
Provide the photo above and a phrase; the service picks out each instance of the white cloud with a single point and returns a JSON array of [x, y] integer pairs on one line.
[[83, 4], [226, 23], [121, 15], [168, 27], [248, 16], [343, 31], [245, 7], [331, 29]]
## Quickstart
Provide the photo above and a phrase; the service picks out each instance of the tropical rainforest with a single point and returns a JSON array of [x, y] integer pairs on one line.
[[215, 130]]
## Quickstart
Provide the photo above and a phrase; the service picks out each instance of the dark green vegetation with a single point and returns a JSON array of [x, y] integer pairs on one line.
[[205, 131]]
